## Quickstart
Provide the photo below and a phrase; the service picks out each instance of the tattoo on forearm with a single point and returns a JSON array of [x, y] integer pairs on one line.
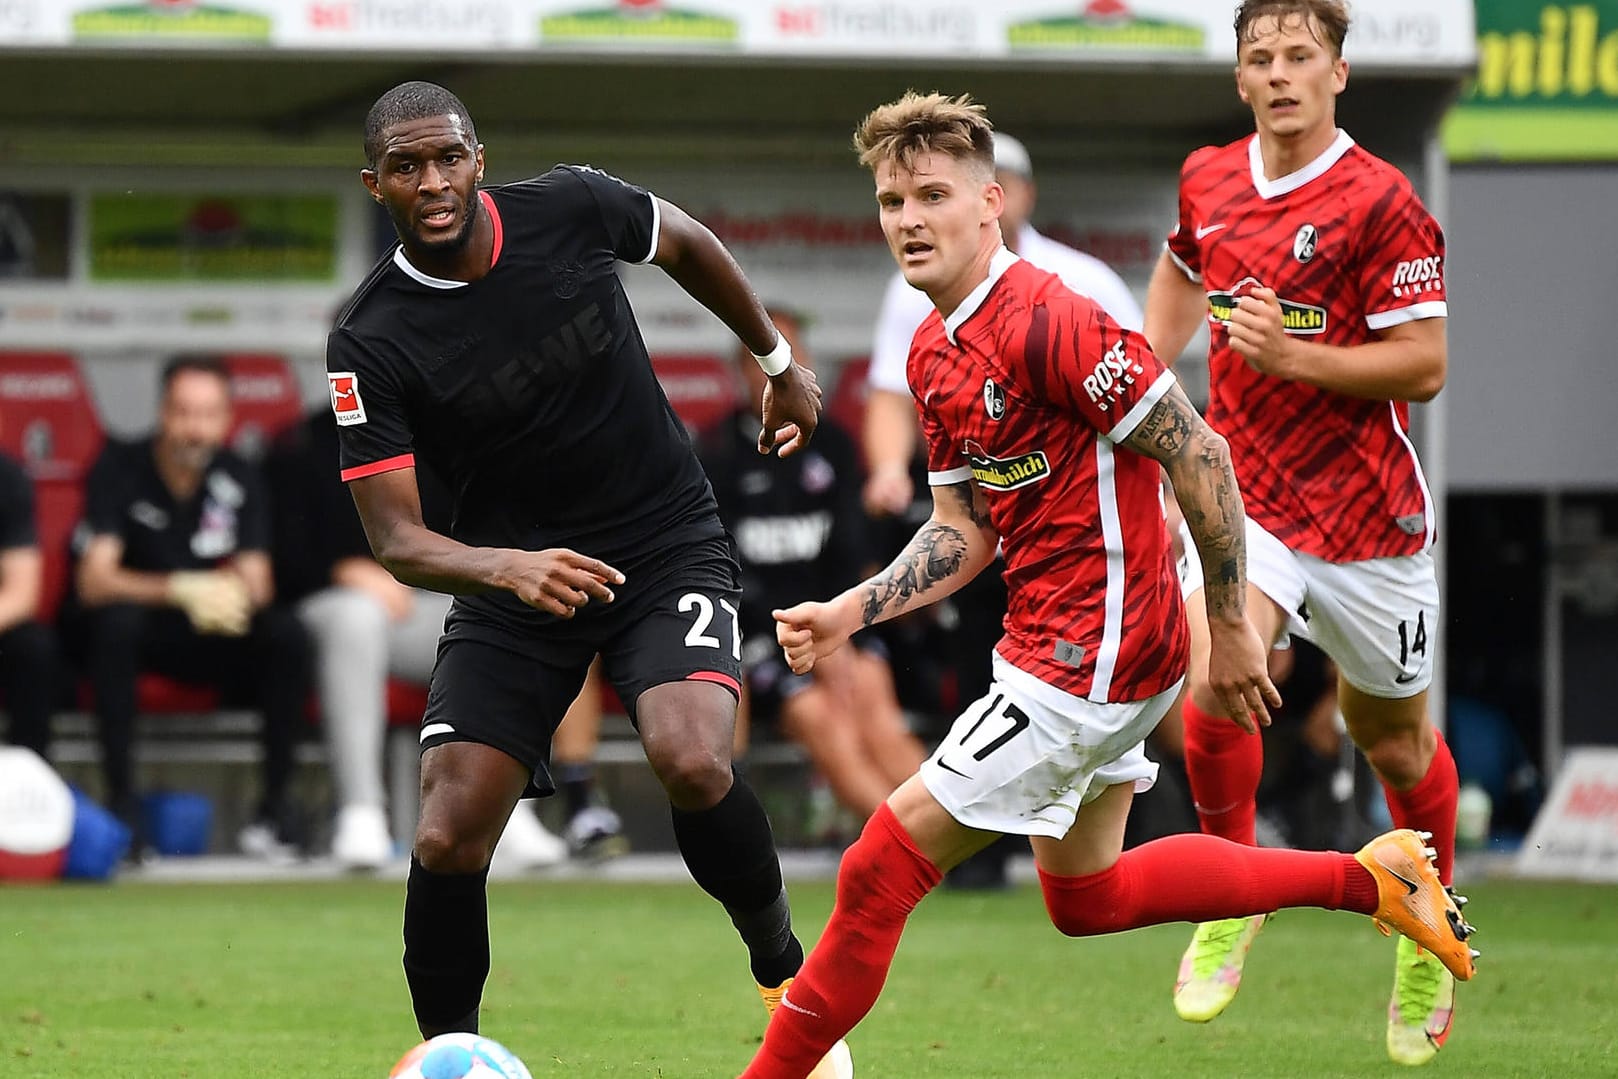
[[1218, 525], [1198, 464], [936, 552]]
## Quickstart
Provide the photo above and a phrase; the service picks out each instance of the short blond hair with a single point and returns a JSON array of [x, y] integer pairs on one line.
[[1331, 16], [916, 124]]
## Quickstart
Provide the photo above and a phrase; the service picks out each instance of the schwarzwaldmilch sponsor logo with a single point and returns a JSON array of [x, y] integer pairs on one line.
[[1107, 24], [629, 21], [1006, 473], [182, 19], [1296, 318]]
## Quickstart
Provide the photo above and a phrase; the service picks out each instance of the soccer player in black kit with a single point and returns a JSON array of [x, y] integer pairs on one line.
[[496, 343]]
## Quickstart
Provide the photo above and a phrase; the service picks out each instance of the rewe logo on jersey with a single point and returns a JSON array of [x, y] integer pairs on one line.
[[1113, 373], [345, 398], [1006, 473]]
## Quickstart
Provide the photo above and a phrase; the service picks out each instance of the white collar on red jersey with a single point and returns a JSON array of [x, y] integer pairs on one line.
[[999, 263], [1284, 185]]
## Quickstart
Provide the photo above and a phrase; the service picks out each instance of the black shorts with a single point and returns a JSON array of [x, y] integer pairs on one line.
[[674, 619]]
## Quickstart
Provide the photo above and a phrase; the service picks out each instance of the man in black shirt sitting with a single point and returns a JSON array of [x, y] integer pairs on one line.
[[800, 530], [174, 577]]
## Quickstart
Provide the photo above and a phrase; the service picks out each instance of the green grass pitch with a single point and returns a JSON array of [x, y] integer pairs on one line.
[[146, 981]]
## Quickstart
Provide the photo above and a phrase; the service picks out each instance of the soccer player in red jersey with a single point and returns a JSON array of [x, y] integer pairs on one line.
[[1321, 274], [1046, 424]]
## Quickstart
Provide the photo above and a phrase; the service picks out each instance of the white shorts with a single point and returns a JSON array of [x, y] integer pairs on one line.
[[1376, 619], [1022, 759]]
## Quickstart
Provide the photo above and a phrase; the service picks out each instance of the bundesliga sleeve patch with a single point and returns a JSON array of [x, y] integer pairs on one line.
[[345, 398]]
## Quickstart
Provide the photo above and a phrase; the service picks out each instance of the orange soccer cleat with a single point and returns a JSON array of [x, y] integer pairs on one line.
[[1414, 902]]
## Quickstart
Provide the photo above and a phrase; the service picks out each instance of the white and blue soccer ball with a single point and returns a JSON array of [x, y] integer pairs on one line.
[[459, 1056]]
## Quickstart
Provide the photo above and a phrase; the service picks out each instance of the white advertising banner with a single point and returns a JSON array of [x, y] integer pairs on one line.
[[809, 239], [1575, 836], [1425, 33]]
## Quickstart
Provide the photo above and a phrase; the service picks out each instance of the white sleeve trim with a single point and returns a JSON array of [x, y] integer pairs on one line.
[[1381, 320], [1188, 271], [1154, 393], [657, 228], [944, 479]]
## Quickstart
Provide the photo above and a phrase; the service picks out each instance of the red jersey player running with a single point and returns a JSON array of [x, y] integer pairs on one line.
[[1045, 425], [1321, 273]]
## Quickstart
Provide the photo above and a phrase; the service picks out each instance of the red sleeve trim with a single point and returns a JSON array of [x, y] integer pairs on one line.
[[499, 226], [389, 464], [720, 679]]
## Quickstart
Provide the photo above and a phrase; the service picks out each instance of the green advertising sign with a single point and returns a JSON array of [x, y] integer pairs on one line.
[[224, 238], [175, 19], [631, 21], [1547, 84]]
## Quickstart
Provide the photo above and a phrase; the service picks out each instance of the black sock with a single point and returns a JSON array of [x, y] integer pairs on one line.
[[446, 959], [577, 780], [730, 852]]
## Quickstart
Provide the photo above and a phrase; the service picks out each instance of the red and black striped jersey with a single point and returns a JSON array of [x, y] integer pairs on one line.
[[1025, 389], [1350, 250]]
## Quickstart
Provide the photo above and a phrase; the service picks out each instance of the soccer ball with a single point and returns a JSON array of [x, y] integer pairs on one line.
[[459, 1056]]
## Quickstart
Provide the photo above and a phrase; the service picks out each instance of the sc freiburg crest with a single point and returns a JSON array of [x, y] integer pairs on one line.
[[1304, 243], [994, 399]]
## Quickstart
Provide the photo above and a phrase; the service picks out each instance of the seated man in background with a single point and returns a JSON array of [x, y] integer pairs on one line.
[[798, 520], [366, 627], [27, 651], [174, 577]]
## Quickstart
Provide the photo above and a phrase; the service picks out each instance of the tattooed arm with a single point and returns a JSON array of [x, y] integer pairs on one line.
[[953, 547], [1197, 461]]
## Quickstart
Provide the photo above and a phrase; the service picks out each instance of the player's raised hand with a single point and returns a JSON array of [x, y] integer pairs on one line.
[[1258, 332], [812, 631], [559, 581], [791, 411], [1239, 675]]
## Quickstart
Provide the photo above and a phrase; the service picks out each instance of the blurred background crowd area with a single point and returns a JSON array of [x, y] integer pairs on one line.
[[180, 180]]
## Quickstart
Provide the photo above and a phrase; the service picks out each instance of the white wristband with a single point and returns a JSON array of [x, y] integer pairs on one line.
[[778, 359]]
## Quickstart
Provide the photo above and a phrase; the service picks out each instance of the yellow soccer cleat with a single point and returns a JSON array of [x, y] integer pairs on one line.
[[1412, 901], [1211, 969], [1422, 1010], [838, 1063]]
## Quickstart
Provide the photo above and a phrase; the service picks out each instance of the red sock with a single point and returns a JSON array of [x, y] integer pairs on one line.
[[1201, 878], [882, 878], [1430, 806], [1224, 764]]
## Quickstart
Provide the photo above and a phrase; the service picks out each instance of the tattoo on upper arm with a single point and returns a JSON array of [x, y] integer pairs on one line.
[[970, 499], [1167, 428], [936, 552]]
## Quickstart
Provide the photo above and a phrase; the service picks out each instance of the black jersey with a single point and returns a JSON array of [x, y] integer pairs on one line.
[[799, 528], [16, 506], [528, 391], [314, 524], [125, 497]]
